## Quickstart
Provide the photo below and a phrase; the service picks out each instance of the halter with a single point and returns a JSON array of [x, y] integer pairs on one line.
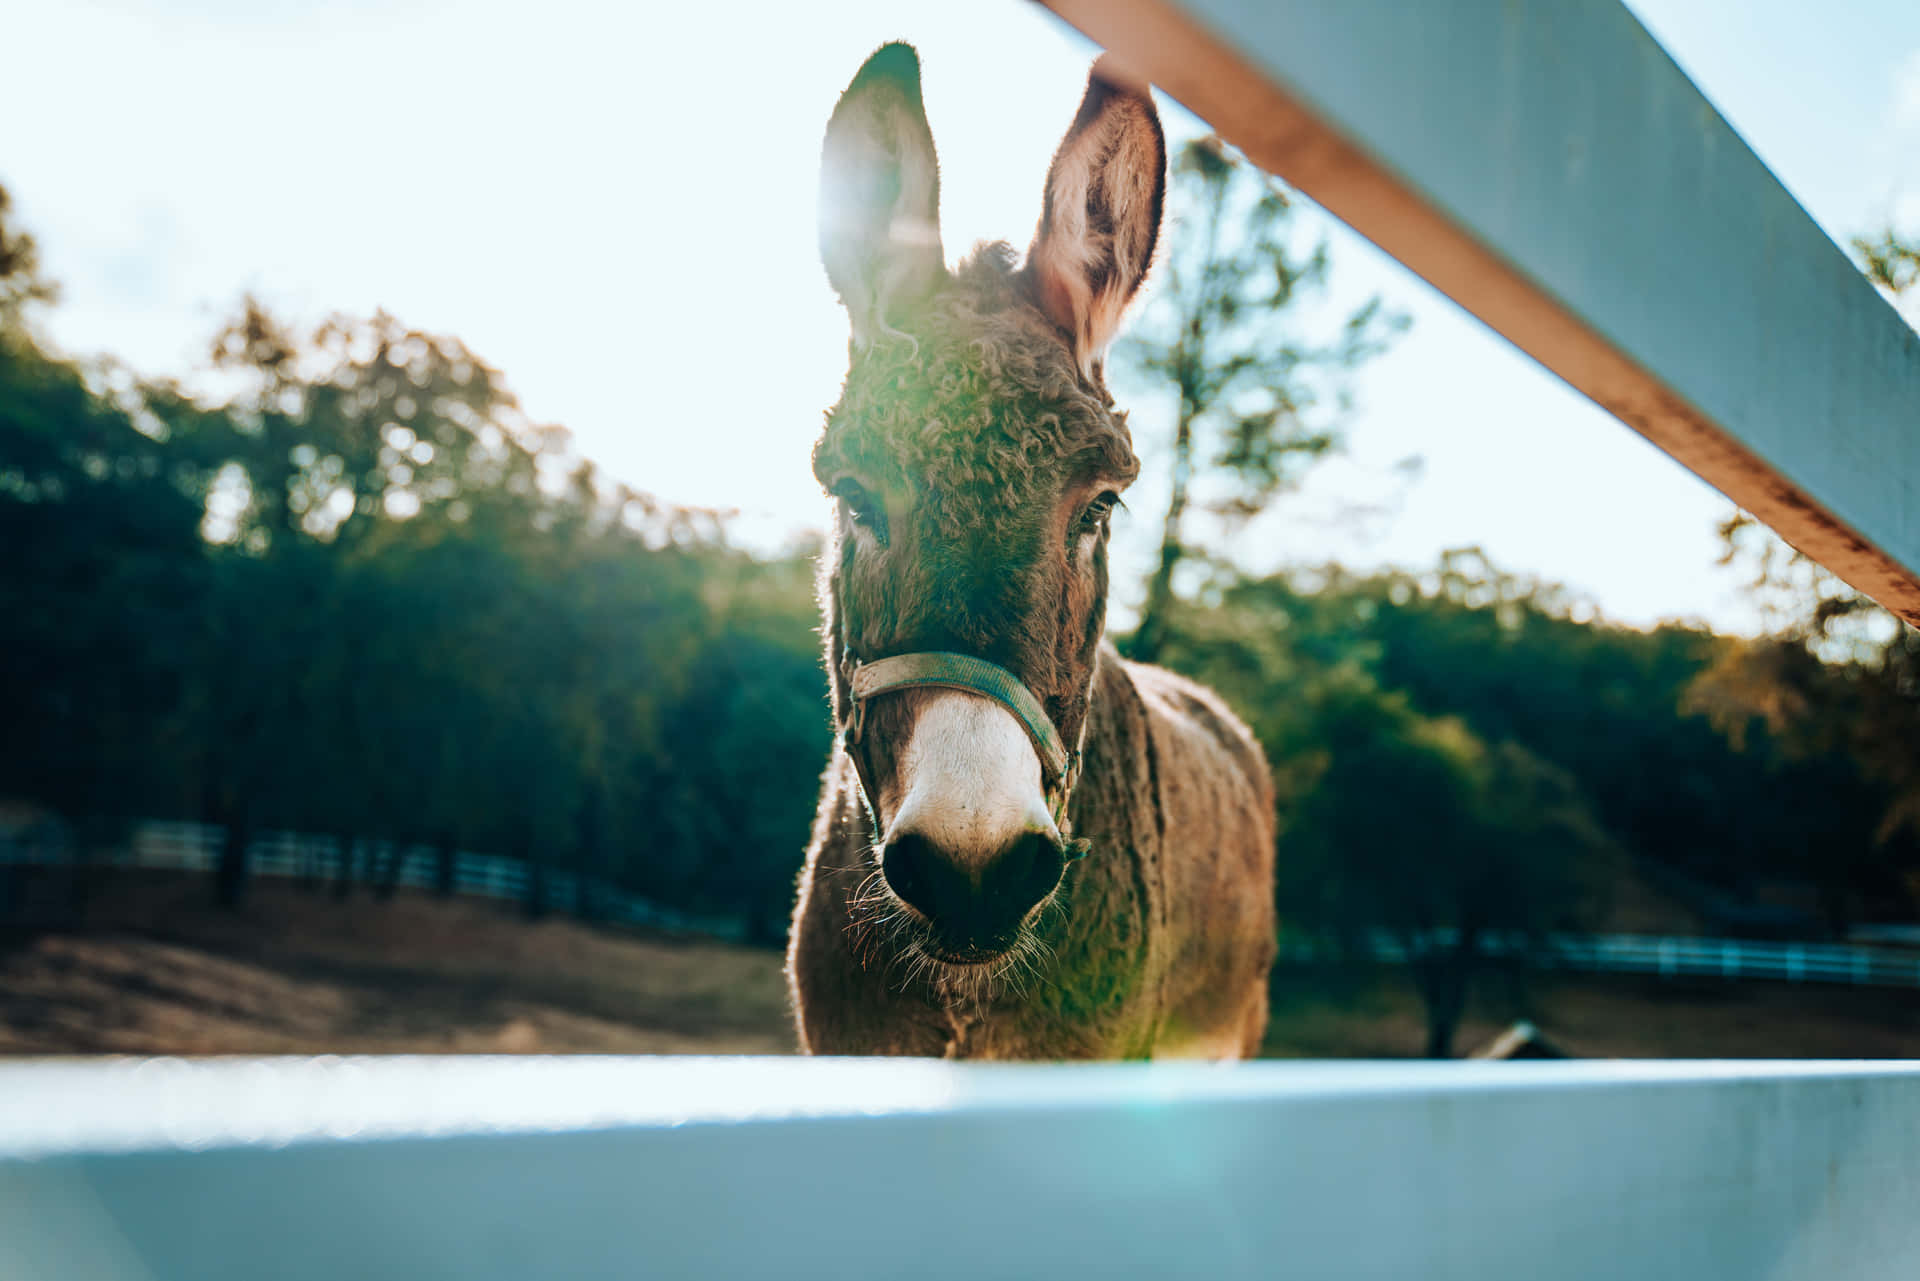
[[973, 676]]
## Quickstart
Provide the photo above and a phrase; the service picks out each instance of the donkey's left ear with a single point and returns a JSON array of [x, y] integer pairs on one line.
[[1102, 213], [880, 194]]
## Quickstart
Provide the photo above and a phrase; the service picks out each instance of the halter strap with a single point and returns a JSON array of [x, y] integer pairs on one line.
[[975, 676], [934, 669]]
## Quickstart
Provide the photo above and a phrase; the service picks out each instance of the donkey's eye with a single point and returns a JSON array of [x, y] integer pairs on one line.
[[863, 508], [1096, 513]]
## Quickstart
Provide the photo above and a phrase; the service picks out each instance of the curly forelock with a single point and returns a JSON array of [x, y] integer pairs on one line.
[[978, 405]]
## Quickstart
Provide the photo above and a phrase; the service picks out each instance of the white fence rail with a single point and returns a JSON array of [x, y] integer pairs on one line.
[[1670, 957], [302, 1170], [195, 847]]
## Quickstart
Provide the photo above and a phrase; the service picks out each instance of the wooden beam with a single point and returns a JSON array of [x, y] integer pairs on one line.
[[1546, 165]]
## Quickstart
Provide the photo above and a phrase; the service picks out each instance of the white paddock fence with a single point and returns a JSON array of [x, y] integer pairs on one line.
[[195, 847], [1669, 957]]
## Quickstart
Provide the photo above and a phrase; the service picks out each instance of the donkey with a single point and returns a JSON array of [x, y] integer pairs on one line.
[[1026, 847]]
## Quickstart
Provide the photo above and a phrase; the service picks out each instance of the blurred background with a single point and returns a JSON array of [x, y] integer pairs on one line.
[[407, 628]]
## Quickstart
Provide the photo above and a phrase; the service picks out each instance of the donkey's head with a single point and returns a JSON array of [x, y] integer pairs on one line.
[[974, 457]]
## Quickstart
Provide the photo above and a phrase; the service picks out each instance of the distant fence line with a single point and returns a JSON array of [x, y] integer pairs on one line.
[[1668, 956], [195, 847]]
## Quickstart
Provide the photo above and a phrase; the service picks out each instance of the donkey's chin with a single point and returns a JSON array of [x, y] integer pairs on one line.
[[909, 949], [970, 957], [974, 975]]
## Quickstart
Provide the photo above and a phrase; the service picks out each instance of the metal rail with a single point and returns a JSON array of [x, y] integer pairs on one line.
[[314, 1170]]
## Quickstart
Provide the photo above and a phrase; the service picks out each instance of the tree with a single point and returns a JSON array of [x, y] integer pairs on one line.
[[1257, 398], [21, 284], [1890, 261], [1512, 664], [1395, 817], [102, 570], [339, 447], [1413, 825], [365, 595], [755, 716], [1833, 673]]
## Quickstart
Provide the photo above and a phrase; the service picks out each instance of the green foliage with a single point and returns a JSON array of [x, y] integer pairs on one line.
[[1393, 817], [365, 595], [1834, 674], [1259, 396], [1462, 752], [99, 523], [21, 284], [1890, 261]]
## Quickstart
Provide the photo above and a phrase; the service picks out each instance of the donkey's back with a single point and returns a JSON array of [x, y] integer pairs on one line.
[[1212, 794]]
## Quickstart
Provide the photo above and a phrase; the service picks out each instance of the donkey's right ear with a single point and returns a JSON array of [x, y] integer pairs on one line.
[[1101, 218], [880, 194]]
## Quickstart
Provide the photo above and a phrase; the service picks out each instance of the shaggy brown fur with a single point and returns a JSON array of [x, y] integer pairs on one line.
[[971, 447], [980, 424]]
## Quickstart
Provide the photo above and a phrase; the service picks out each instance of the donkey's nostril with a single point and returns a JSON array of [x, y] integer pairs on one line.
[[973, 907], [917, 873], [1022, 876]]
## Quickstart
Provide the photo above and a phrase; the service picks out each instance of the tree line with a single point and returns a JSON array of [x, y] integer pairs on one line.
[[364, 594]]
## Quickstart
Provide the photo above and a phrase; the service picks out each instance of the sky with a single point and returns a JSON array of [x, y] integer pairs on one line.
[[615, 206]]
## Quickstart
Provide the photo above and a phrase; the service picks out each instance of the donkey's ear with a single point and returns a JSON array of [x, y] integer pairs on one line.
[[1101, 218], [880, 194]]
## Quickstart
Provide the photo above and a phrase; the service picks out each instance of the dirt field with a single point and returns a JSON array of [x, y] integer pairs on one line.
[[159, 970]]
